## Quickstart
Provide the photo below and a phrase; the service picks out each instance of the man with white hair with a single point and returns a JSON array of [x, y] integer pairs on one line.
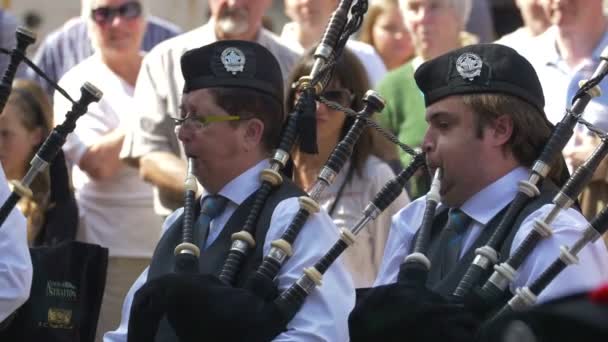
[[70, 44], [436, 27], [151, 143]]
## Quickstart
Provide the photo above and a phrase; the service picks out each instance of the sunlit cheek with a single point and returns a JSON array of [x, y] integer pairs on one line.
[[334, 123], [383, 41], [13, 155]]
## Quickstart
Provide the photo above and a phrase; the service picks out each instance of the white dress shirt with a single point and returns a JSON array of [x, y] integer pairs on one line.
[[15, 261], [325, 312], [482, 207]]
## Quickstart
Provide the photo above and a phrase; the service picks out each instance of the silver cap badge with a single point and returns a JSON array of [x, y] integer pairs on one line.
[[233, 60], [469, 65]]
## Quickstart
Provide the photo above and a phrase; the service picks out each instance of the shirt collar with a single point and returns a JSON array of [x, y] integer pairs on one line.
[[241, 187], [488, 202]]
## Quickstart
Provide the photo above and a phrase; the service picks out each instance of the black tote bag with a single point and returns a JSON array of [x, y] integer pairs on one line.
[[65, 300]]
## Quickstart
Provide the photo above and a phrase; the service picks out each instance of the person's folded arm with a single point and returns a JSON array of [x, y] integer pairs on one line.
[[101, 160]]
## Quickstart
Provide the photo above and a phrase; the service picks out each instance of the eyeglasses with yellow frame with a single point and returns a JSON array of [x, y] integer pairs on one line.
[[199, 122]]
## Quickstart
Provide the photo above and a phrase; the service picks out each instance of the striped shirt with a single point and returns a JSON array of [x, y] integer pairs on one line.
[[67, 46]]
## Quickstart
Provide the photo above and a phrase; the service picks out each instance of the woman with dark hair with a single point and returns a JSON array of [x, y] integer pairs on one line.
[[363, 175], [26, 121]]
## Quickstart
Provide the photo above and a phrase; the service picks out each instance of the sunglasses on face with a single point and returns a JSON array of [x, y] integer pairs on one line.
[[341, 96], [105, 14]]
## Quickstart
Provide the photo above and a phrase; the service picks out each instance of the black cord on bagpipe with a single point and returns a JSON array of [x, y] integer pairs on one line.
[[53, 143]]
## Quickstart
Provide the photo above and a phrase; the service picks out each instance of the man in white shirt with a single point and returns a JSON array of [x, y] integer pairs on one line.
[[15, 261], [228, 143], [486, 129]]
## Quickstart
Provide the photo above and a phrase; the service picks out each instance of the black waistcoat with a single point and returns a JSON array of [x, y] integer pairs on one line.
[[212, 258], [450, 281]]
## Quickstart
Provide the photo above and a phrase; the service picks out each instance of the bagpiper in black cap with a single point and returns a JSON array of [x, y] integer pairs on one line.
[[480, 69], [233, 64]]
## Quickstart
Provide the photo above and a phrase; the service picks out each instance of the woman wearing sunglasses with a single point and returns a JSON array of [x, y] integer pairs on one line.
[[116, 206], [363, 175]]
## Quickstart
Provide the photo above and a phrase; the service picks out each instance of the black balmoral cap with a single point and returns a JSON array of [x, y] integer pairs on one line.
[[480, 69], [233, 64]]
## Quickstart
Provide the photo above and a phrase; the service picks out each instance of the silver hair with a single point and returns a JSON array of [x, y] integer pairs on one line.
[[461, 7]]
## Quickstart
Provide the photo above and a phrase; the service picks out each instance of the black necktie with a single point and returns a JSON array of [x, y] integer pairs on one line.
[[212, 206], [452, 238]]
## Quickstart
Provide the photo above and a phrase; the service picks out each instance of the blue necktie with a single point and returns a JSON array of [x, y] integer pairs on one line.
[[453, 236], [212, 207]]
